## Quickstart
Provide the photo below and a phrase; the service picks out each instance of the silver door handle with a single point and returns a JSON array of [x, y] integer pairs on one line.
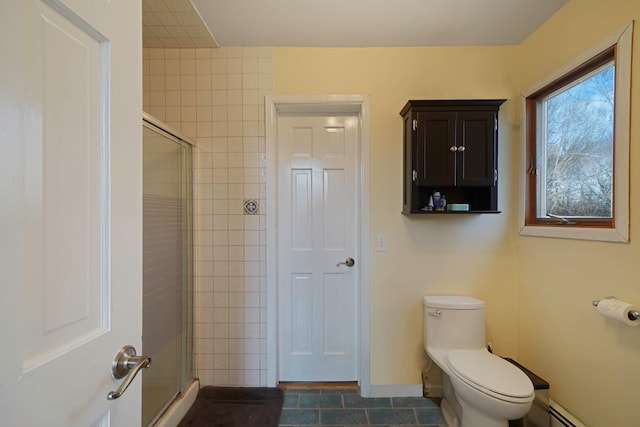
[[126, 365], [349, 262]]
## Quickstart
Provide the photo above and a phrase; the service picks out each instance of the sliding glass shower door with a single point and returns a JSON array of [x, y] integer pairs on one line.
[[167, 268]]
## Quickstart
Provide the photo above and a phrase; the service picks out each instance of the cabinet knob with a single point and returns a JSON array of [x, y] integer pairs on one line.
[[453, 148], [461, 148]]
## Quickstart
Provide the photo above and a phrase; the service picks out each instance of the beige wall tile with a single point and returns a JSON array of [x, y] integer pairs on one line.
[[213, 96]]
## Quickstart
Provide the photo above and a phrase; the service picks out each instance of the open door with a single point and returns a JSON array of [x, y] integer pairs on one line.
[[71, 209]]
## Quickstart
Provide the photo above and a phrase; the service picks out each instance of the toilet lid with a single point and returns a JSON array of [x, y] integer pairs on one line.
[[490, 372]]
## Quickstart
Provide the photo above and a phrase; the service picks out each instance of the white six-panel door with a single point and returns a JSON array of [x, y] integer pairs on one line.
[[317, 230], [70, 179]]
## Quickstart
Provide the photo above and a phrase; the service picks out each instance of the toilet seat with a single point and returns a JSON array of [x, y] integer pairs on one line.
[[491, 375]]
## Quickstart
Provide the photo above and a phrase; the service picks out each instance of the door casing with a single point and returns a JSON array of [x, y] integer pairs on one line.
[[322, 104]]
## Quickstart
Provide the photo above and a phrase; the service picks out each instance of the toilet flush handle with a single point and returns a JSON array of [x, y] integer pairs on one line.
[[437, 313]]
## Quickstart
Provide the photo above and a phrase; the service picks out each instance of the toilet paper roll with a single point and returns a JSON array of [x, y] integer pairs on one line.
[[618, 310]]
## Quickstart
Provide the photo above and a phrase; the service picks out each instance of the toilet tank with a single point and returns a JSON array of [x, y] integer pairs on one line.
[[454, 322]]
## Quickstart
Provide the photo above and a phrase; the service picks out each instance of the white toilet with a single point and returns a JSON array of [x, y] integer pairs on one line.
[[480, 389]]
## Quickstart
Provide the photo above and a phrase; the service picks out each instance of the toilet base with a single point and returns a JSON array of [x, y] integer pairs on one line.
[[471, 417], [447, 413], [457, 413]]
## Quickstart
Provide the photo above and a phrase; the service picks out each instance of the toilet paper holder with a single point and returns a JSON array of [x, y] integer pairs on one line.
[[633, 315]]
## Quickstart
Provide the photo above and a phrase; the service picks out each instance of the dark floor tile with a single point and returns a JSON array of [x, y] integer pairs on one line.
[[302, 390], [296, 417], [320, 401], [391, 416], [412, 402], [313, 407], [356, 401], [290, 400], [339, 391], [430, 416], [343, 417]]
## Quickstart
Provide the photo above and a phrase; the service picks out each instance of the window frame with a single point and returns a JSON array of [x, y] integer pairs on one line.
[[616, 229], [534, 128]]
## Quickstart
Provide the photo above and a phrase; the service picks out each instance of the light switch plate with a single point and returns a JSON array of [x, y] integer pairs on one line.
[[381, 243]]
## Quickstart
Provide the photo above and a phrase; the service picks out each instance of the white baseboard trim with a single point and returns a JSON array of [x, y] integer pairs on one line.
[[180, 407], [560, 417], [396, 390]]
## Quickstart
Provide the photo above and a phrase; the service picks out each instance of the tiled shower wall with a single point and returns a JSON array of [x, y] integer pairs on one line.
[[216, 97]]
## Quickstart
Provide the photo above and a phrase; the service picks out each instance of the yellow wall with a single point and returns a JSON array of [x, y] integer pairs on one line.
[[538, 290], [593, 364], [473, 254]]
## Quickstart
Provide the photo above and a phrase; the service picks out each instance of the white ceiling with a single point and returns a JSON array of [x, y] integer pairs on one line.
[[372, 23]]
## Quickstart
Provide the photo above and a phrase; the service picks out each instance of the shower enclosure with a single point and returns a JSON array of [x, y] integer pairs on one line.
[[167, 267]]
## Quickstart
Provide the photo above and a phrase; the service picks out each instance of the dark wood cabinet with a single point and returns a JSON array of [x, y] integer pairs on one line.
[[450, 146]]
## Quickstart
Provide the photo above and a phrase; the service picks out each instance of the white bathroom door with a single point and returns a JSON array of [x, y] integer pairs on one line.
[[317, 233], [70, 209]]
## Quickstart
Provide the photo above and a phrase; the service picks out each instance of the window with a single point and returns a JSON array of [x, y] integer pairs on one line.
[[571, 147], [576, 150]]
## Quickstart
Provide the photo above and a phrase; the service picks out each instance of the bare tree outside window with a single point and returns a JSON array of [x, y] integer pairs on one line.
[[578, 147]]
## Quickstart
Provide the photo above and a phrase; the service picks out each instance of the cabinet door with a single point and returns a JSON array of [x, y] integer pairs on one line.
[[410, 199], [435, 163], [476, 153]]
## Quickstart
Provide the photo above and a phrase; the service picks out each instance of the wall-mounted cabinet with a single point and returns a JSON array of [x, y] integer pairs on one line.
[[451, 146]]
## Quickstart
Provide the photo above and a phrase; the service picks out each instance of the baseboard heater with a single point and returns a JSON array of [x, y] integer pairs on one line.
[[561, 418]]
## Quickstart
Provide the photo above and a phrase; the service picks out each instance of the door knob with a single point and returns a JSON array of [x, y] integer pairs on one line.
[[349, 262], [126, 365]]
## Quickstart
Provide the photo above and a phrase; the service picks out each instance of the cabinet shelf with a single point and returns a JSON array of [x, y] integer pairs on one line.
[[421, 212]]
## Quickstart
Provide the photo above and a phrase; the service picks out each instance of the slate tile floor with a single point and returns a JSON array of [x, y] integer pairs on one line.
[[344, 407]]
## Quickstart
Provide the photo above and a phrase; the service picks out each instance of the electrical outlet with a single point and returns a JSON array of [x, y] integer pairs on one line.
[[381, 243]]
